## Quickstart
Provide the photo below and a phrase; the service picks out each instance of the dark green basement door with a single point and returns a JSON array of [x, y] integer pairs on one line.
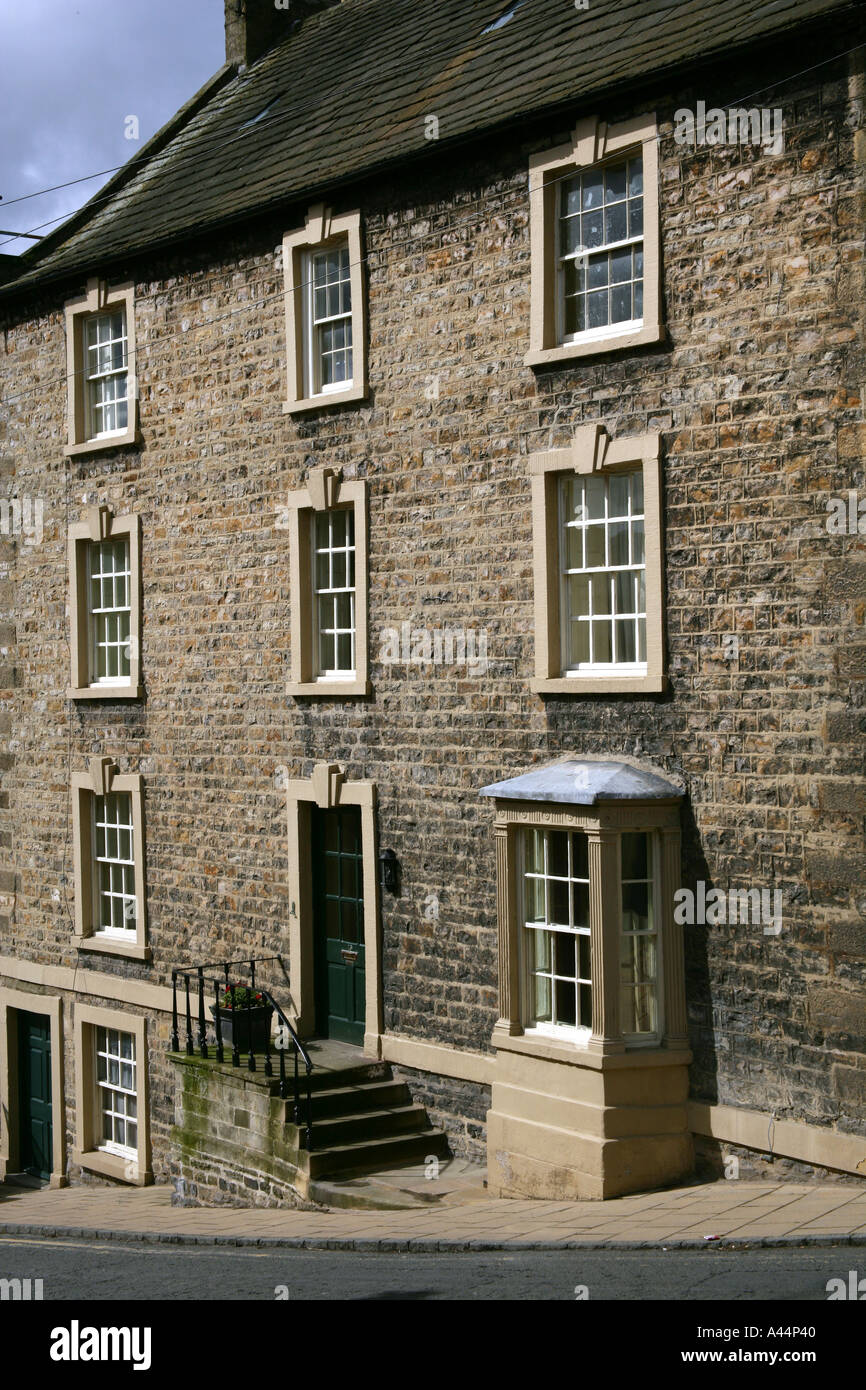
[[338, 894], [34, 1093]]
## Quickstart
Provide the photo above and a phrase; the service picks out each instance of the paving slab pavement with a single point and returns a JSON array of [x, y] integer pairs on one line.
[[694, 1215]]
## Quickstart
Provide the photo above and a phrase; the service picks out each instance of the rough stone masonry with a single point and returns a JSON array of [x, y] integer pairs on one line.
[[758, 394]]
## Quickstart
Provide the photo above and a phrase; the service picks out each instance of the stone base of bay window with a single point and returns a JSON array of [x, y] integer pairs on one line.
[[586, 1126]]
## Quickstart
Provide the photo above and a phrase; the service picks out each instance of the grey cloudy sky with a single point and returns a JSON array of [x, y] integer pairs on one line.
[[71, 71]]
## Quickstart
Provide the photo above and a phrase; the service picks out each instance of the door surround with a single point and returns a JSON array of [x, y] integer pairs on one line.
[[13, 1002], [328, 788]]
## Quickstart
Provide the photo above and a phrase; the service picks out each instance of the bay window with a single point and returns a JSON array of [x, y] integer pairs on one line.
[[587, 861]]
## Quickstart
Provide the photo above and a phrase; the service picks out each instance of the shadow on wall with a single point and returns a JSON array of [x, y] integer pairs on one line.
[[703, 1072]]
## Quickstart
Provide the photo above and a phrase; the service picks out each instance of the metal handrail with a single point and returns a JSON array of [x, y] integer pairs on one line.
[[183, 973], [299, 1051]]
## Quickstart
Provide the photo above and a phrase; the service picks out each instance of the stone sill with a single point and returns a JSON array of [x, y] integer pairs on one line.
[[329, 689], [325, 400], [110, 946], [106, 692], [111, 1166], [552, 1050], [565, 352], [599, 685], [99, 446]]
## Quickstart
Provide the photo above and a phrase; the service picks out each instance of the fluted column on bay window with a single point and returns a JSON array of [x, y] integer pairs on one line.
[[604, 908], [676, 1021], [508, 927]]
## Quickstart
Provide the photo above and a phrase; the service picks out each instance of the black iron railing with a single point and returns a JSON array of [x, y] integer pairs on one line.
[[242, 1003]]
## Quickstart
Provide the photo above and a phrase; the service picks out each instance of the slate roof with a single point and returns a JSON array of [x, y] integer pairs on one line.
[[348, 93], [584, 782]]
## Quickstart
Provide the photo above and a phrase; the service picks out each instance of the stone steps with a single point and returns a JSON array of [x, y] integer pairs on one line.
[[373, 1155], [363, 1122]]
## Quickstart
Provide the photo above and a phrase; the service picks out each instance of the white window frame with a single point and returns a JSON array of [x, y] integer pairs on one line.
[[322, 231], [654, 866], [325, 491], [127, 828], [335, 673], [100, 780], [313, 378], [92, 379], [577, 1033], [96, 629], [594, 452], [636, 669], [130, 1165], [593, 143], [102, 525], [111, 1146], [611, 329], [99, 298]]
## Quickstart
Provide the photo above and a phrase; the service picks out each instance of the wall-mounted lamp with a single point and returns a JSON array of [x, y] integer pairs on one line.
[[390, 870]]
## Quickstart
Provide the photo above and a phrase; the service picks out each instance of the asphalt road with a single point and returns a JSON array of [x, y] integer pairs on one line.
[[86, 1270]]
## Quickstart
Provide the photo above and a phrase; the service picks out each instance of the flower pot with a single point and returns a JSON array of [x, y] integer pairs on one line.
[[250, 1028]]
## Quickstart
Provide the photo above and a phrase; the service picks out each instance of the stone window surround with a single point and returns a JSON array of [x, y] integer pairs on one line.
[[100, 779], [328, 788], [98, 298], [592, 142], [322, 229], [13, 1001], [101, 525], [593, 450], [325, 491], [87, 1112], [603, 824]]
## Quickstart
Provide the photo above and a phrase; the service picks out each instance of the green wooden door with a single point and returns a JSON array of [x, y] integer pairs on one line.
[[338, 892], [34, 1093]]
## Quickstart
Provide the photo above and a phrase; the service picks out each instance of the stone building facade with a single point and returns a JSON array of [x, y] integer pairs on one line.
[[753, 389]]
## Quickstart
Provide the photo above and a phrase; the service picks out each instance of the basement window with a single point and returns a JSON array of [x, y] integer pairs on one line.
[[111, 1116]]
